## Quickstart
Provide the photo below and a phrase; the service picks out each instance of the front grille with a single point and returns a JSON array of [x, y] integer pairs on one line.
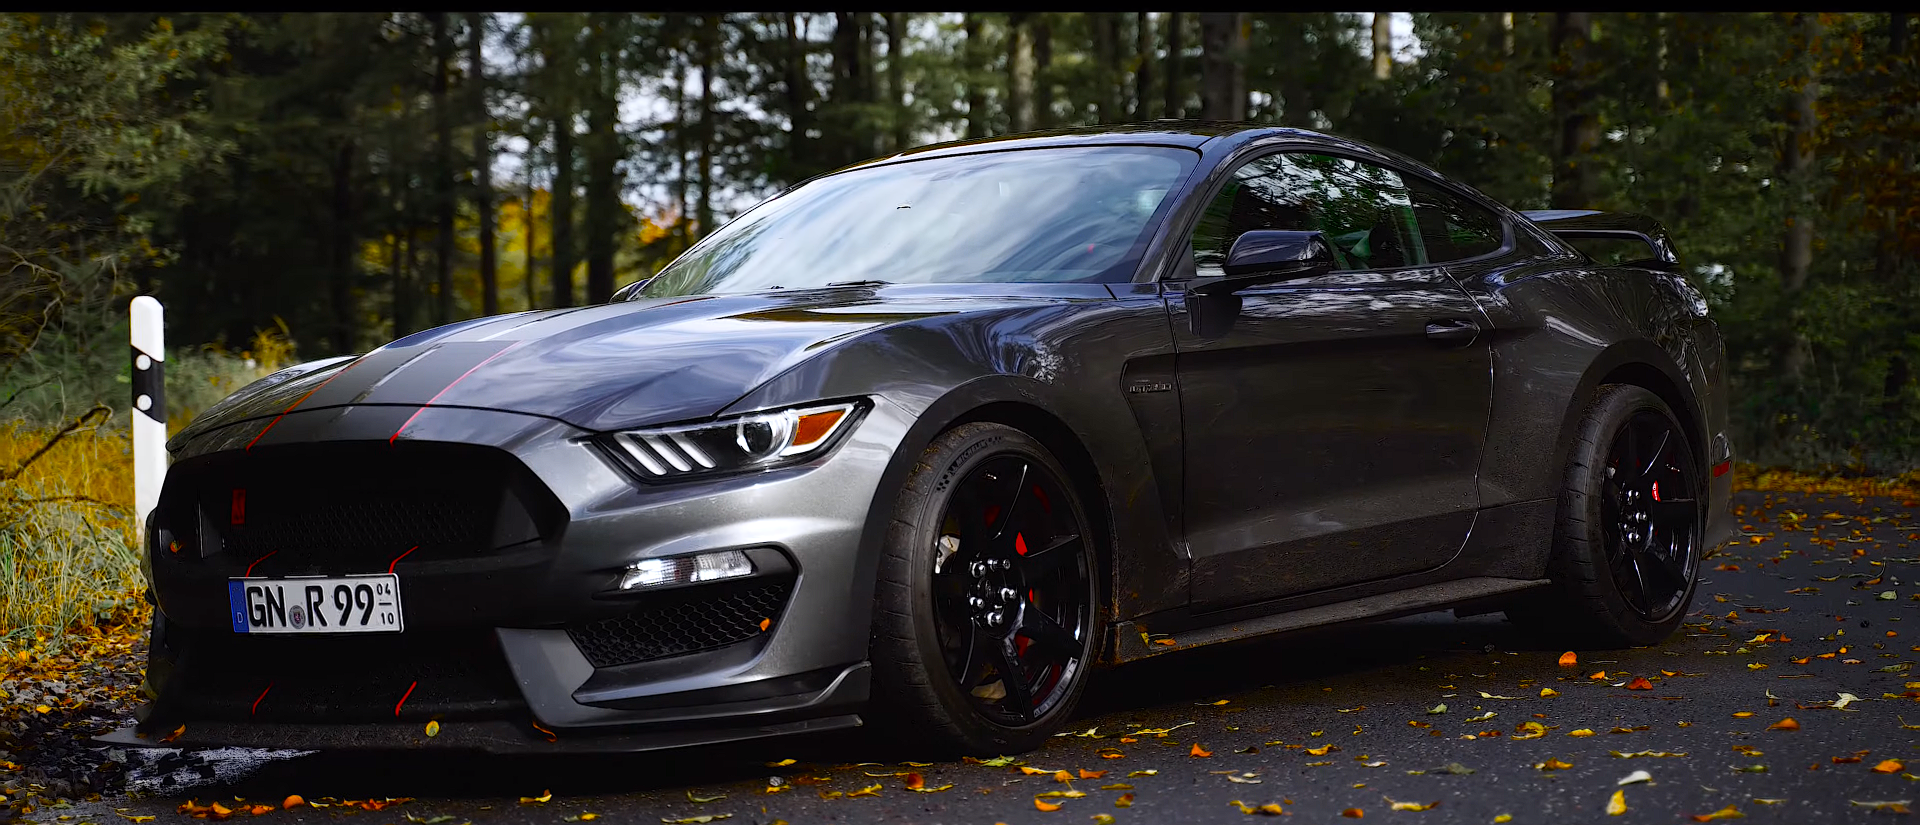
[[342, 679], [682, 621], [357, 506]]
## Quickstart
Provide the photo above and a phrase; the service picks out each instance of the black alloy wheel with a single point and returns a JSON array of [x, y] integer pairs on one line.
[[1630, 530], [1011, 586], [986, 608], [1649, 515]]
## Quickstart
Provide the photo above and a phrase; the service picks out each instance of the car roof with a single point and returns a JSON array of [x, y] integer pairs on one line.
[[1191, 134]]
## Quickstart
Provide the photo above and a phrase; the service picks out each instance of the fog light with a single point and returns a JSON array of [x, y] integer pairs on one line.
[[706, 567]]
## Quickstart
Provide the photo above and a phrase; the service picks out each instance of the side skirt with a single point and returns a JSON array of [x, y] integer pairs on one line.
[[1129, 640]]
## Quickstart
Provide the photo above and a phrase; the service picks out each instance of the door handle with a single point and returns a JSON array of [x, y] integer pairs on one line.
[[1457, 332]]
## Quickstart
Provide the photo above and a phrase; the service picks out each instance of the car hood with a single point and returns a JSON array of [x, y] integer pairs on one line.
[[598, 368]]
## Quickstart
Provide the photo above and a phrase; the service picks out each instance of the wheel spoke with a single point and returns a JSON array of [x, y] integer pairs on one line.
[[1640, 575], [1043, 631], [1674, 514], [969, 658], [1007, 511], [1006, 659], [1628, 467], [1059, 553], [1653, 458], [1669, 567]]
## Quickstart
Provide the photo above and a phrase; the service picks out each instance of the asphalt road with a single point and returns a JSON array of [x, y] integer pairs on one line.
[[1318, 725]]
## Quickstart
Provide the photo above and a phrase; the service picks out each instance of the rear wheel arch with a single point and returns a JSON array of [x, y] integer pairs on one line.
[[1640, 364]]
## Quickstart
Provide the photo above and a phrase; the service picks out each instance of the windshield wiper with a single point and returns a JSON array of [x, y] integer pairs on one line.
[[859, 283]]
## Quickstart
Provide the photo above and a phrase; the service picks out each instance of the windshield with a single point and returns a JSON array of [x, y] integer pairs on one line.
[[1049, 215]]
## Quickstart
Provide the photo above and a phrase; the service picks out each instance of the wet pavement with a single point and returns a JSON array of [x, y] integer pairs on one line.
[[1455, 719]]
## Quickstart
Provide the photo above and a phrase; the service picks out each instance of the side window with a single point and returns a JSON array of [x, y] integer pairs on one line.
[[1453, 228], [1366, 211]]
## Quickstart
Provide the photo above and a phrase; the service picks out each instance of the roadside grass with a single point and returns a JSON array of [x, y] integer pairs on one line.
[[68, 558]]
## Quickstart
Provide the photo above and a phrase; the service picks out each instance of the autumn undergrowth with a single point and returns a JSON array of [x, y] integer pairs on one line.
[[69, 559]]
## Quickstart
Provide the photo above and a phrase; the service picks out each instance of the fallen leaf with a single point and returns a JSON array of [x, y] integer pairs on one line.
[[702, 819], [1087, 774], [870, 790], [1125, 800], [1529, 730], [1199, 752], [1844, 700], [1636, 776], [1411, 806], [538, 800], [1581, 732], [1645, 753], [1486, 695], [701, 799], [998, 761], [1569, 659], [1899, 807], [175, 734], [1546, 692], [1889, 766], [1503, 818], [1748, 768], [1729, 812], [1785, 724], [1353, 813], [1147, 772], [1598, 675], [1032, 771], [1103, 819], [1553, 765], [1053, 795], [1639, 683], [293, 801], [135, 818], [1761, 800], [1322, 750], [433, 728], [781, 764], [1117, 786], [1062, 776], [1438, 709], [1617, 804], [1743, 714], [1482, 717], [1242, 780]]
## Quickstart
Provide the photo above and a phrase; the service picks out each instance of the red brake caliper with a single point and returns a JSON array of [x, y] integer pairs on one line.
[[1656, 491]]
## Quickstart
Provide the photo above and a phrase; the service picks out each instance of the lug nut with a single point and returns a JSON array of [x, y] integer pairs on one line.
[[1008, 594], [976, 602], [978, 569], [996, 618]]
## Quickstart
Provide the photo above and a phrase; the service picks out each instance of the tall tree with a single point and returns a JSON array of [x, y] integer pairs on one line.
[[442, 170], [897, 77], [1041, 24], [1382, 45], [482, 163], [345, 270], [1019, 73], [1176, 48], [708, 41], [1223, 94], [799, 93], [1106, 65], [1798, 171], [1576, 174], [1143, 66], [973, 60], [560, 63], [602, 153]]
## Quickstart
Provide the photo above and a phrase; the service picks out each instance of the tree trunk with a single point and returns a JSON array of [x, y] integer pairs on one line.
[[1897, 32], [869, 89], [531, 229], [1661, 90], [1041, 25], [560, 205], [1296, 96], [1222, 78], [603, 150], [482, 165], [972, 58], [1143, 71], [442, 172], [1899, 371], [1506, 33], [799, 92], [1576, 178], [345, 331], [1797, 170], [1382, 45], [703, 211], [897, 77], [1176, 104], [403, 292], [1106, 65], [848, 130], [395, 253], [1019, 74], [682, 167]]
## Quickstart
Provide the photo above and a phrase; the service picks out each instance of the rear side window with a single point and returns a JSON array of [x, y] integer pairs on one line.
[[1451, 227], [1365, 211]]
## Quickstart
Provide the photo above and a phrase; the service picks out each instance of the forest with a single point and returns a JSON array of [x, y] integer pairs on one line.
[[333, 180]]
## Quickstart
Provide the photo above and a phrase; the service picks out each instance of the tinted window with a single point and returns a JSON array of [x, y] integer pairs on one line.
[[1365, 210], [1068, 214], [1453, 228]]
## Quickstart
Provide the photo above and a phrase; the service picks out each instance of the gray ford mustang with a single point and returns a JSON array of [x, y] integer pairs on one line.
[[924, 442]]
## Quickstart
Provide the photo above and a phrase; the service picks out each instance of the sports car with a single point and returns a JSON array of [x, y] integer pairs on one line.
[[928, 442]]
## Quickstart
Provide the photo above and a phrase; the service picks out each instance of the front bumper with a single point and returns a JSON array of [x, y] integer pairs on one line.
[[497, 644]]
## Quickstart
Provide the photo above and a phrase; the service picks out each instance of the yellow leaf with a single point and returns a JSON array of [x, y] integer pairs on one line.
[[704, 799], [1061, 795], [781, 764], [1785, 724], [134, 818], [1530, 730], [1062, 776], [1117, 786], [1125, 800], [1503, 818], [1889, 766], [537, 800], [1729, 812], [433, 728], [1147, 772], [1548, 692], [1553, 765], [702, 819], [870, 790], [1411, 806], [1103, 819], [1043, 805], [1031, 771], [1617, 804], [1580, 732]]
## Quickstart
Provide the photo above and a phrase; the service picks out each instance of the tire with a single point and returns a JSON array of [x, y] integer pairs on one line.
[[1595, 564], [931, 563]]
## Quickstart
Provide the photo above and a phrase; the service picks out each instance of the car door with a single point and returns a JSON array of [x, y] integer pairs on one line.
[[1333, 431]]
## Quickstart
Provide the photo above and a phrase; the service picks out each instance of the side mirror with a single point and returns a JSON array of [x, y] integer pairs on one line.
[[1264, 256], [627, 292]]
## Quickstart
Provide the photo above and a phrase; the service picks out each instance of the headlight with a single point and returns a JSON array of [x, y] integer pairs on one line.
[[757, 441]]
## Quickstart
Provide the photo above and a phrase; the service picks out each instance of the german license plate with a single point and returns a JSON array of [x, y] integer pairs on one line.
[[347, 604]]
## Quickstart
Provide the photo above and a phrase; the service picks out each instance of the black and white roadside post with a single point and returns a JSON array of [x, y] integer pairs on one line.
[[149, 409]]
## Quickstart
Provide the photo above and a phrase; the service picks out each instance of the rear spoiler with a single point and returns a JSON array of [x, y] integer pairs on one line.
[[1574, 224]]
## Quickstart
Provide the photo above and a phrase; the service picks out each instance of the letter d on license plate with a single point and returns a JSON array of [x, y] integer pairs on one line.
[[348, 604]]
